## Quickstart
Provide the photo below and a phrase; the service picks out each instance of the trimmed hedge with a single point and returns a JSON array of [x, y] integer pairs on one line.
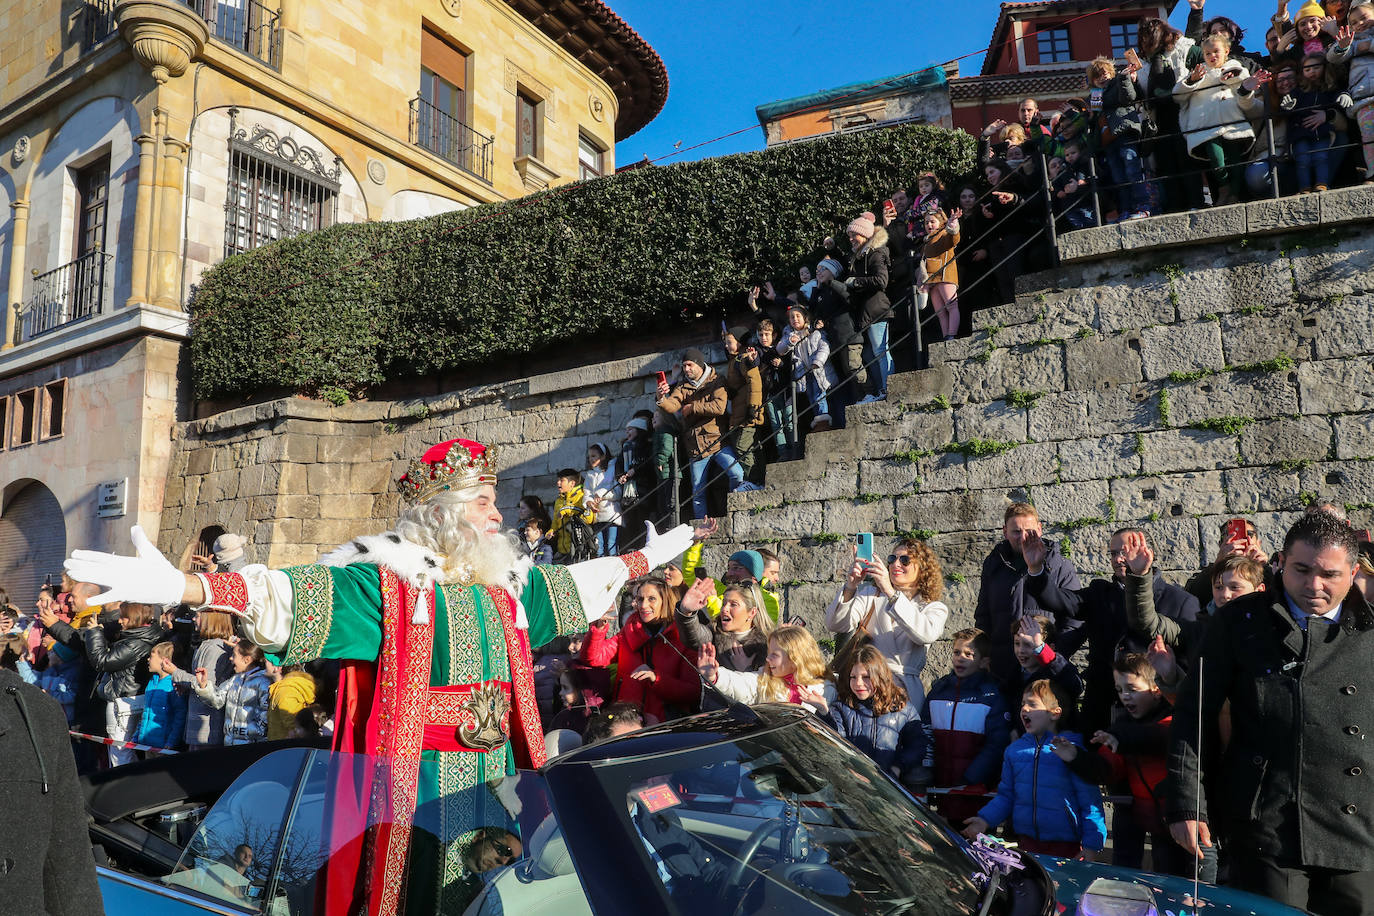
[[361, 303]]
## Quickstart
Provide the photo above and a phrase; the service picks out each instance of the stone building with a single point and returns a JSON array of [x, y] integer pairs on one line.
[[145, 140]]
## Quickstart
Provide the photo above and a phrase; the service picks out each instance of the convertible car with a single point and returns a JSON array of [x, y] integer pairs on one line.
[[752, 810]]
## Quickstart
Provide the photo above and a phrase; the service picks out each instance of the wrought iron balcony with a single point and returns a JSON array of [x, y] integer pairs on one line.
[[70, 293], [97, 23], [246, 24], [441, 133]]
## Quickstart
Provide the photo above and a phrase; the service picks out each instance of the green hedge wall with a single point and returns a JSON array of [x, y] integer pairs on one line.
[[362, 303]]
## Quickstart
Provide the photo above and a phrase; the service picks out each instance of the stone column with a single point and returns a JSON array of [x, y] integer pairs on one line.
[[18, 248], [143, 219], [166, 282]]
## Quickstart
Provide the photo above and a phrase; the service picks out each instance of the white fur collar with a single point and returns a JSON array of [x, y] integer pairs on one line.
[[415, 565]]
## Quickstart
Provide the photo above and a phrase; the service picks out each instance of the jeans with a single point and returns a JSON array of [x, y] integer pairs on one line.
[[725, 458], [819, 404], [607, 535], [780, 418], [876, 333], [1314, 162], [1123, 164]]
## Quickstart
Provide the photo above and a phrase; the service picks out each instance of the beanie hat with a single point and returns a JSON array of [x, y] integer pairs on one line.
[[751, 560], [739, 332], [832, 265], [1309, 9], [693, 355], [862, 226], [228, 547], [638, 423]]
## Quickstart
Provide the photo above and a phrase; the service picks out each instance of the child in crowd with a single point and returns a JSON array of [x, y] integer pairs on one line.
[[1136, 748], [776, 372], [1354, 48], [636, 480], [1120, 126], [536, 543], [930, 198], [793, 672], [1070, 185], [1031, 642], [163, 723], [1312, 112], [59, 680], [532, 506], [245, 697], [942, 273], [603, 500], [568, 510], [14, 650], [292, 690], [969, 726], [1310, 33], [579, 697], [873, 712], [1052, 810], [811, 370]]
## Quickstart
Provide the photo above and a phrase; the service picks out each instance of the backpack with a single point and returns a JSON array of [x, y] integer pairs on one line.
[[581, 540]]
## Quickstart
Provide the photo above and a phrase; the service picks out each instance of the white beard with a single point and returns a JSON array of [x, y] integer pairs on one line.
[[495, 559]]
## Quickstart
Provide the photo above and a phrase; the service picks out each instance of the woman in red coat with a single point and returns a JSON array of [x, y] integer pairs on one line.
[[652, 667]]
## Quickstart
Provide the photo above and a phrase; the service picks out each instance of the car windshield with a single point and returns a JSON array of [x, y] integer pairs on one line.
[[789, 820]]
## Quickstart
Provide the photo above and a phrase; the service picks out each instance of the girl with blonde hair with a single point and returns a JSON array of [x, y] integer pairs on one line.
[[793, 672]]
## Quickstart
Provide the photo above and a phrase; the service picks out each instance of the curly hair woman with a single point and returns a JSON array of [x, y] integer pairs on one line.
[[898, 609]]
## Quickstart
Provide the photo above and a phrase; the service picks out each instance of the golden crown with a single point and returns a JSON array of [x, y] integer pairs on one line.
[[452, 465]]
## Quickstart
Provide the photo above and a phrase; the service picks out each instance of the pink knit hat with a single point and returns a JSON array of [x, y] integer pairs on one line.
[[863, 226]]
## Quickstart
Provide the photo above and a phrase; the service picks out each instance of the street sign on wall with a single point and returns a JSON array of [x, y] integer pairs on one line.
[[109, 498]]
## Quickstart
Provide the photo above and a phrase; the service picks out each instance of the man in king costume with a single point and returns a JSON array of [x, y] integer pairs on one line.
[[434, 620]]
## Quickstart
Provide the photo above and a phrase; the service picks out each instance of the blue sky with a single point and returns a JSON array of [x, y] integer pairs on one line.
[[724, 58]]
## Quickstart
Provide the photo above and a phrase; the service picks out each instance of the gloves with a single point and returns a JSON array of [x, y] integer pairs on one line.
[[660, 548], [1288, 103], [849, 282], [145, 579], [1345, 101]]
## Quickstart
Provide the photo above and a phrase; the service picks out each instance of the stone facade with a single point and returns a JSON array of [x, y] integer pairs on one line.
[[1165, 389]]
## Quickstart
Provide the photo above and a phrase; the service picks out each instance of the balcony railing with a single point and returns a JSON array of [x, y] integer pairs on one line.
[[70, 293], [246, 24], [441, 133], [97, 23]]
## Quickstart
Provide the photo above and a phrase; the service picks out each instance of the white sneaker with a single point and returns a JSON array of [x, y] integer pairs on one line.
[[869, 399], [746, 487]]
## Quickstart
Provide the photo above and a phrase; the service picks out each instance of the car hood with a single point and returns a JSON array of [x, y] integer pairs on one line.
[[1173, 895]]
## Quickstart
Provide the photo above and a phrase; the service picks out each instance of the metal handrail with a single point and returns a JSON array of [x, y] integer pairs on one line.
[[441, 133], [65, 295]]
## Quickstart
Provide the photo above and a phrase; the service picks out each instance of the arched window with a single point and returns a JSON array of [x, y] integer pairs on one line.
[[33, 540]]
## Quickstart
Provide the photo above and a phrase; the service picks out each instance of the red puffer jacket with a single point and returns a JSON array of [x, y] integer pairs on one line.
[[674, 690], [1141, 762]]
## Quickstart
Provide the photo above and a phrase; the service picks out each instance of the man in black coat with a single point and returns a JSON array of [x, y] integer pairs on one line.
[[1297, 665], [1002, 596], [48, 864], [1102, 609]]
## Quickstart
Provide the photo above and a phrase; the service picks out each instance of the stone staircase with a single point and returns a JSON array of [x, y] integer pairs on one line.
[[1168, 389]]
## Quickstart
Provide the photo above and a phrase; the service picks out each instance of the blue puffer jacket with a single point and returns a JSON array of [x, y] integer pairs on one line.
[[164, 714], [1043, 799], [894, 739]]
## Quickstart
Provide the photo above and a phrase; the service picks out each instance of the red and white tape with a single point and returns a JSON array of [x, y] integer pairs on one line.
[[122, 745]]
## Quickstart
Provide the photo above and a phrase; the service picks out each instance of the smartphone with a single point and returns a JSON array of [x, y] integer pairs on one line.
[[889, 205], [863, 544], [662, 377], [1133, 58], [700, 574], [1236, 530]]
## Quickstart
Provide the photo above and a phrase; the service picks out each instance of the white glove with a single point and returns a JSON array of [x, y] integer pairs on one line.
[[144, 579], [1288, 103], [660, 548], [1345, 101]]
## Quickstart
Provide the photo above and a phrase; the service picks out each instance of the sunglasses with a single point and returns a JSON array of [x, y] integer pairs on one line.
[[904, 559], [502, 849]]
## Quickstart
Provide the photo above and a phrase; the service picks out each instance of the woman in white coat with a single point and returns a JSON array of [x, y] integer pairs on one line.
[[1215, 124], [898, 609]]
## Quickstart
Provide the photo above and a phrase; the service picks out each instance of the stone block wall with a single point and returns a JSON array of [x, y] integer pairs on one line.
[[1169, 389], [1165, 389], [299, 477]]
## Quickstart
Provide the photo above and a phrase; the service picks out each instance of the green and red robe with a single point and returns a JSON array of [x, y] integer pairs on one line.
[[414, 654]]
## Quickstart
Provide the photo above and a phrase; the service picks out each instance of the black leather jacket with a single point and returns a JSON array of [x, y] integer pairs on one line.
[[121, 659]]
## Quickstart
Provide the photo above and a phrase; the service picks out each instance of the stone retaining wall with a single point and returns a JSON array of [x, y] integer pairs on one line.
[[1165, 388]]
